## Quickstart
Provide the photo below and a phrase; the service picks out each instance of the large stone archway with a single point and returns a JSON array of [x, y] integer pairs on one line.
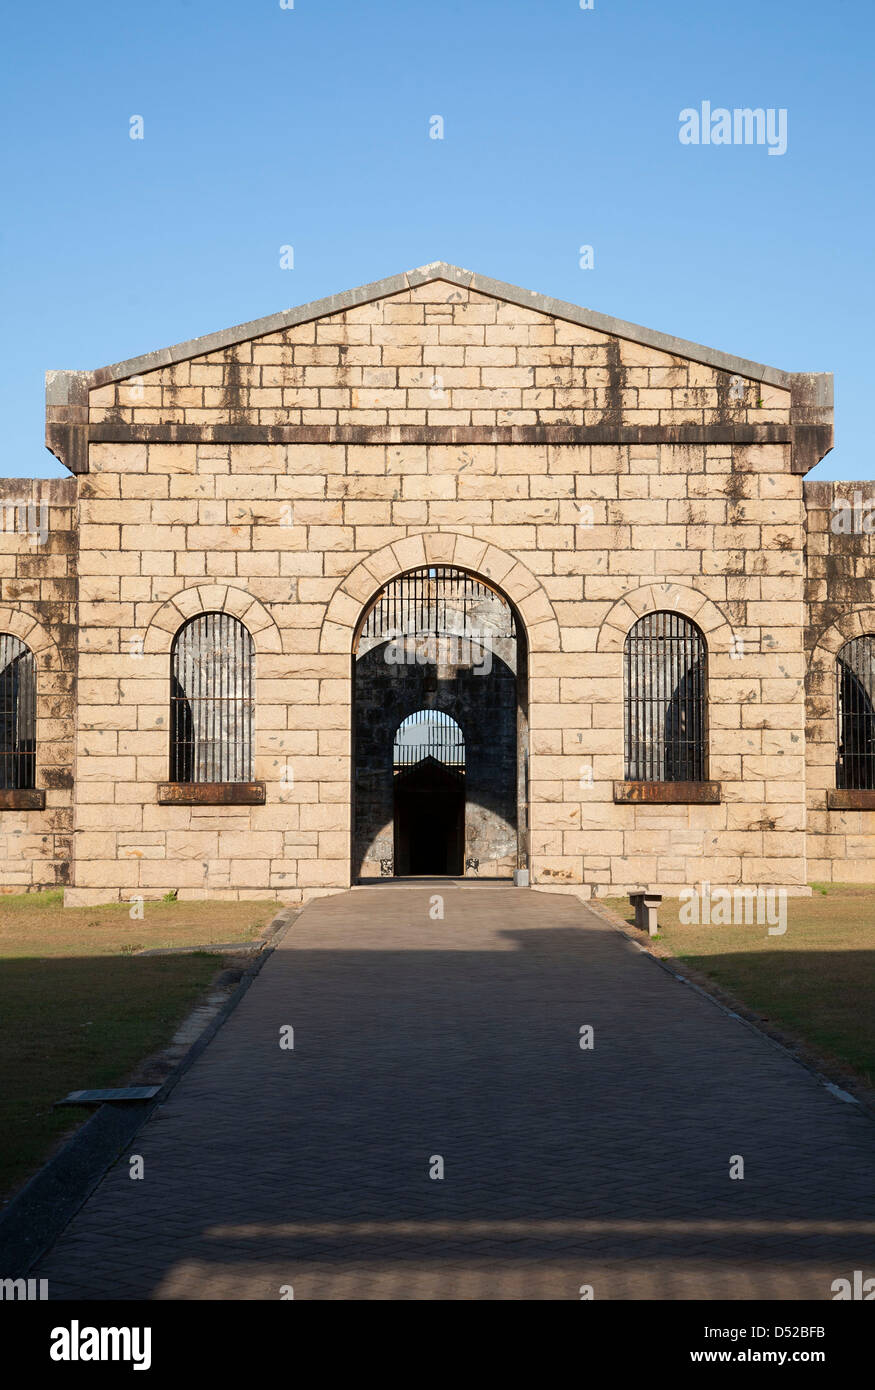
[[521, 587], [439, 644]]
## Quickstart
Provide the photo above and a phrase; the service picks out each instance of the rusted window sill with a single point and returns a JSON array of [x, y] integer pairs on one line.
[[211, 793], [22, 799], [668, 793], [850, 799]]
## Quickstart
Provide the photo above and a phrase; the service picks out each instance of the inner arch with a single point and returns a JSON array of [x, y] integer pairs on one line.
[[440, 729]]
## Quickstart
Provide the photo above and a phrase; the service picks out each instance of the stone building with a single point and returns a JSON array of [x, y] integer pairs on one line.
[[435, 576]]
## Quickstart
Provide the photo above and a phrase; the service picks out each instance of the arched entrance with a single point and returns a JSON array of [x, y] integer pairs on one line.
[[428, 765], [440, 729]]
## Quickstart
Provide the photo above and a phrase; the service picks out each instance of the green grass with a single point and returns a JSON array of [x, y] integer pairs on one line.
[[815, 984], [78, 1009]]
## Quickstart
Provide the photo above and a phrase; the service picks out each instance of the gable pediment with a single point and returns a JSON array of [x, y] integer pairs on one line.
[[438, 348]]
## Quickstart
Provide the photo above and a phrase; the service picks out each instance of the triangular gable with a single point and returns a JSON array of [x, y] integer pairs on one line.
[[80, 403], [466, 279]]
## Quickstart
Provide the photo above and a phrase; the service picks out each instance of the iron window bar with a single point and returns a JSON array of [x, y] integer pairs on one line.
[[417, 603], [665, 685], [211, 701], [855, 732], [17, 714]]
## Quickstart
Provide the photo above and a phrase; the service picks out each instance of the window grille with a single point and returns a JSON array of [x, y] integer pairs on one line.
[[429, 733], [17, 714], [211, 701], [438, 599], [665, 686], [855, 691]]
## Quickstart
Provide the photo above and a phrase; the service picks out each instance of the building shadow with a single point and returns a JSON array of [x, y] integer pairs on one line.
[[313, 1162]]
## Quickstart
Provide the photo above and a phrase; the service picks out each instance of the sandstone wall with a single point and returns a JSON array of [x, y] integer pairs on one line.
[[840, 591], [713, 533], [590, 477], [38, 604]]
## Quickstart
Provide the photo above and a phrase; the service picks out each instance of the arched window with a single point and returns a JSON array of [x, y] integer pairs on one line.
[[429, 733], [17, 714], [665, 686], [211, 701], [855, 734]]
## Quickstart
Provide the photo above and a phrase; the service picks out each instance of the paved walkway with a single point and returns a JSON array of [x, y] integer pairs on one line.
[[562, 1167]]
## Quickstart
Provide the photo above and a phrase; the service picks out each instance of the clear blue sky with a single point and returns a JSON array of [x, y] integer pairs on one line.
[[309, 127]]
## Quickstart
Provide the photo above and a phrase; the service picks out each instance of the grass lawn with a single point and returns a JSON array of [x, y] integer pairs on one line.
[[78, 1009], [815, 985]]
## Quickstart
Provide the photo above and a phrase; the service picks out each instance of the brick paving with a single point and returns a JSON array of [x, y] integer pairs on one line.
[[460, 1038]]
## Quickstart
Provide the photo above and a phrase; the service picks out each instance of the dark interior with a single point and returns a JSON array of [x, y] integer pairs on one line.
[[429, 819]]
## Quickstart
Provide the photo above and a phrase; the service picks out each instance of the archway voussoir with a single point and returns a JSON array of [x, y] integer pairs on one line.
[[19, 623], [359, 585], [623, 615], [708, 618], [383, 564], [343, 609], [507, 572], [212, 597], [544, 637], [859, 623], [187, 602], [678, 598], [496, 565], [535, 609], [38, 640], [652, 598], [468, 552], [410, 553], [519, 583], [237, 602], [168, 617], [336, 637], [252, 616], [832, 641], [642, 601], [439, 547]]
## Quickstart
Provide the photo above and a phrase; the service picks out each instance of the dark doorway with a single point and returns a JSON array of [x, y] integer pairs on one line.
[[429, 819], [440, 672]]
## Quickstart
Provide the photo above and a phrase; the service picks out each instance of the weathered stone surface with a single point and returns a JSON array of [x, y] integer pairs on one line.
[[589, 470]]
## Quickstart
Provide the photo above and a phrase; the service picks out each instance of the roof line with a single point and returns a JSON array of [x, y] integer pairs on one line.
[[469, 279]]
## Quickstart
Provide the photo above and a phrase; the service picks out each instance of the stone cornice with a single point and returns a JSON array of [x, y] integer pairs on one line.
[[109, 432]]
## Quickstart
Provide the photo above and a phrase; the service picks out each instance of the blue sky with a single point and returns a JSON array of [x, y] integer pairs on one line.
[[309, 127]]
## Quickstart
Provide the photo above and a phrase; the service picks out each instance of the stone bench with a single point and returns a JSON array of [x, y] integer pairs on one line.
[[645, 905]]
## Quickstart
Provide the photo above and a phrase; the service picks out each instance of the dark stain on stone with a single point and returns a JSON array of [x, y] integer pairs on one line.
[[730, 408], [234, 392], [613, 412], [57, 778]]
